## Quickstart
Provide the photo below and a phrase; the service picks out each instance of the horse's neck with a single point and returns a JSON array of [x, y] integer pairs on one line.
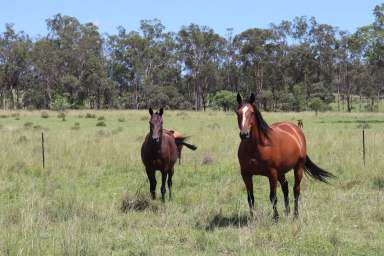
[[257, 135]]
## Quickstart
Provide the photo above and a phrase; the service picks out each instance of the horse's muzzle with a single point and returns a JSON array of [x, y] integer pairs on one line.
[[244, 135], [156, 140]]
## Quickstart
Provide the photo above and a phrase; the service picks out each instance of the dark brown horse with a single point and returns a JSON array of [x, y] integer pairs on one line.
[[272, 151], [159, 151]]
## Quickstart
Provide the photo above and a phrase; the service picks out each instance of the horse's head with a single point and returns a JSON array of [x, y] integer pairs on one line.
[[245, 116], [156, 124]]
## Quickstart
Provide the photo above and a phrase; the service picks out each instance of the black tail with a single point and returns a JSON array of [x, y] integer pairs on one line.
[[181, 141], [316, 172]]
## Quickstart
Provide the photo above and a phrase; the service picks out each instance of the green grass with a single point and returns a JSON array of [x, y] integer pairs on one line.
[[93, 196]]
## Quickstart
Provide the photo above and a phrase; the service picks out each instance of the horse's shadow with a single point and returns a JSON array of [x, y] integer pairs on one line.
[[220, 221]]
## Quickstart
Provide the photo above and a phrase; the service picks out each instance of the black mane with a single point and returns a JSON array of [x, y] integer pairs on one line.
[[263, 125]]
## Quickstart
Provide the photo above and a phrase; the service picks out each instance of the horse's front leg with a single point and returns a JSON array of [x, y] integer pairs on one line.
[[163, 181], [247, 177], [152, 182]]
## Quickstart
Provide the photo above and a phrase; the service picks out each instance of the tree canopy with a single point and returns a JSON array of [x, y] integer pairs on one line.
[[291, 66]]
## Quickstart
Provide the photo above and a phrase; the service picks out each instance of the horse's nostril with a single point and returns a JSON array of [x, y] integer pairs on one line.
[[244, 135]]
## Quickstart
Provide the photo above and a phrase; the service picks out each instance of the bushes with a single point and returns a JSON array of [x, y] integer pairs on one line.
[[76, 126], [60, 103], [101, 123], [44, 114], [166, 97], [225, 100], [316, 104], [90, 115]]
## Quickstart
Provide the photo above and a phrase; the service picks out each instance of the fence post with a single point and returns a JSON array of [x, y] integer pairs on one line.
[[42, 148], [364, 147]]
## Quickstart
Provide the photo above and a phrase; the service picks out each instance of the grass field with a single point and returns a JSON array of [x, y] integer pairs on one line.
[[92, 198]]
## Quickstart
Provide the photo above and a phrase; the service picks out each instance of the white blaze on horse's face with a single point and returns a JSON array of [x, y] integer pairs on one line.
[[244, 110]]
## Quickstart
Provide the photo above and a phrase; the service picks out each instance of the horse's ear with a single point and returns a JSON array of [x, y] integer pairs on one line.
[[239, 99], [150, 111], [252, 98], [161, 111]]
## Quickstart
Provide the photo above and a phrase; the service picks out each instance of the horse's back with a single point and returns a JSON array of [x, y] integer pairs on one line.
[[290, 138]]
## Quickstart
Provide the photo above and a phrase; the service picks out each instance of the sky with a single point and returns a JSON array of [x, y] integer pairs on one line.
[[30, 15]]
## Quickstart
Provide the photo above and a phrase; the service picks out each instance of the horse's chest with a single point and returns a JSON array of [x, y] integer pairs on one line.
[[157, 163], [254, 161]]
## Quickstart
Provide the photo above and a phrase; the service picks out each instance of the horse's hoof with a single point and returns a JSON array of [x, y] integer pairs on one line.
[[287, 212], [295, 214], [276, 218]]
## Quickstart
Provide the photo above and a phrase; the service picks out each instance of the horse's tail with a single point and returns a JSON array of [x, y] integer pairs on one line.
[[181, 141], [316, 172]]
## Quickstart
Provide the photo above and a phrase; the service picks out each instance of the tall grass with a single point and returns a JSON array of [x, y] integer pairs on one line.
[[92, 198]]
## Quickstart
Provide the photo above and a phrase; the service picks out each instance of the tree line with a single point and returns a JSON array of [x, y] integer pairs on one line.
[[290, 66]]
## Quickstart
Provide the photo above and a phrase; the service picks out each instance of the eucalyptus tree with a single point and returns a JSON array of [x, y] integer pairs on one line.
[[143, 59], [201, 51], [255, 46], [14, 63]]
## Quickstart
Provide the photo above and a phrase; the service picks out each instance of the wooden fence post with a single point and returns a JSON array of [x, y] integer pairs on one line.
[[363, 147], [42, 148]]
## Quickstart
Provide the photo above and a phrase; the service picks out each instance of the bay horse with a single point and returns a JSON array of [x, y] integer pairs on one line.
[[160, 150], [272, 151]]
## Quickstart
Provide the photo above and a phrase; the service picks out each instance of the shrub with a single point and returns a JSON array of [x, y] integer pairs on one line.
[[316, 104], [100, 118], [378, 183], [208, 159], [121, 119], [28, 124], [60, 103], [164, 96], [44, 114], [22, 139], [90, 115], [117, 130], [224, 99], [61, 115], [76, 126], [101, 123]]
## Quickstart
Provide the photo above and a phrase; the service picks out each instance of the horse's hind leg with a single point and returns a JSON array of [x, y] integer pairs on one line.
[[152, 182], [272, 195], [298, 171], [284, 188], [170, 174], [163, 181]]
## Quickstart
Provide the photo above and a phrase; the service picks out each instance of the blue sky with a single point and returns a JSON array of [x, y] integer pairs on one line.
[[30, 15]]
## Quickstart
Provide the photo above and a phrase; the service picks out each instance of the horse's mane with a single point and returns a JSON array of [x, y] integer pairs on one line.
[[263, 125]]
